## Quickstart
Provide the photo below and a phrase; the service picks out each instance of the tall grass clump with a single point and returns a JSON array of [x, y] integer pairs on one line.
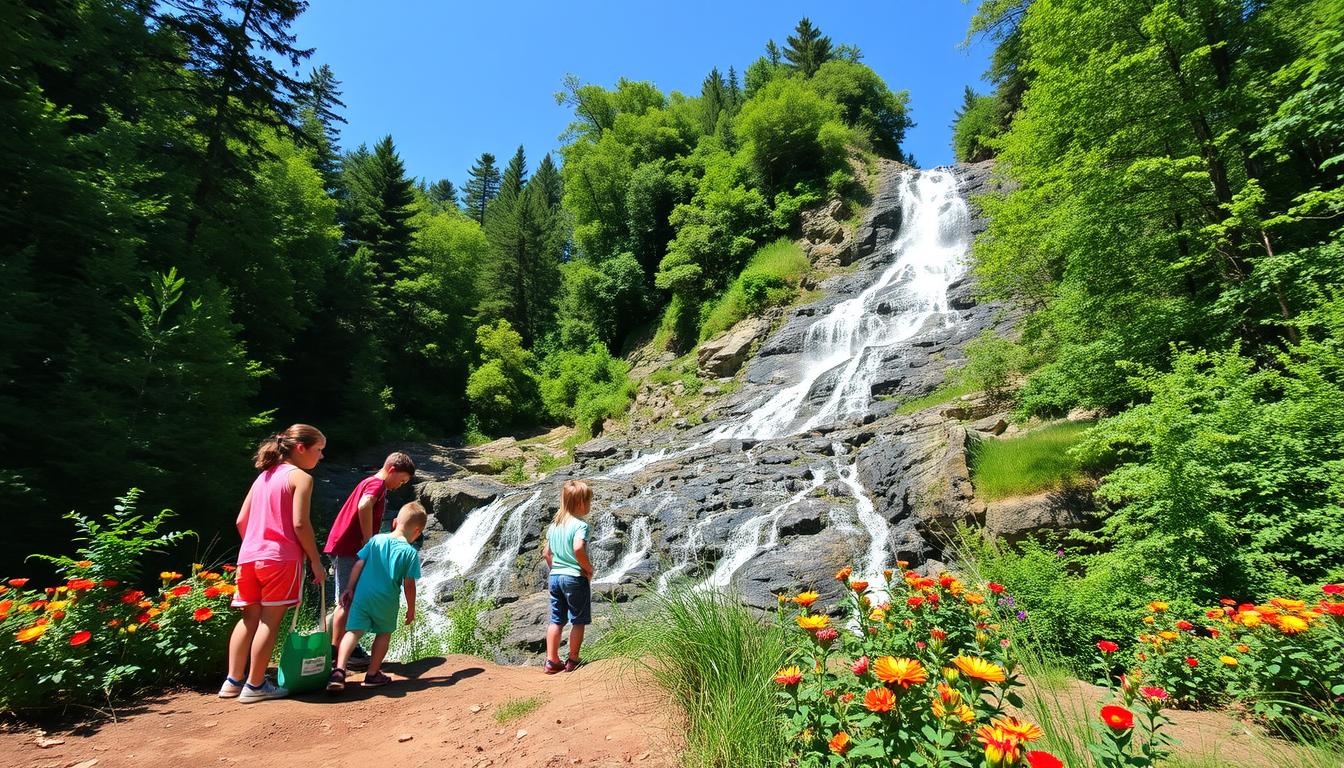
[[770, 278], [1037, 461], [715, 659]]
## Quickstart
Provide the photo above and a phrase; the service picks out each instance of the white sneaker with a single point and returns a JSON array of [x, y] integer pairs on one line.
[[230, 689], [268, 690]]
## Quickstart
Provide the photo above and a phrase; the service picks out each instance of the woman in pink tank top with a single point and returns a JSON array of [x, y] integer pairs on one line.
[[277, 537]]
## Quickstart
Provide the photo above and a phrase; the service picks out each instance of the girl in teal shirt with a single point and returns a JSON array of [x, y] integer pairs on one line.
[[566, 552]]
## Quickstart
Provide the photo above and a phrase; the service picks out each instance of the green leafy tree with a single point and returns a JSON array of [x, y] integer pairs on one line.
[[866, 103], [503, 389], [974, 127]]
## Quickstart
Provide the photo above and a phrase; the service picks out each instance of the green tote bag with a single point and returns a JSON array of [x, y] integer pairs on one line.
[[305, 659]]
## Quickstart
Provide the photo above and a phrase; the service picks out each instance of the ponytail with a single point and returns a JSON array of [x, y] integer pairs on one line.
[[276, 448]]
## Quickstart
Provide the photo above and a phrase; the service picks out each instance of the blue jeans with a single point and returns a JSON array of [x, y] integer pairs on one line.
[[571, 600]]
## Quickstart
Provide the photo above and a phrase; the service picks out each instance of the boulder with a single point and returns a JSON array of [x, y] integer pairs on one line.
[[724, 354], [1017, 518], [597, 448], [450, 501]]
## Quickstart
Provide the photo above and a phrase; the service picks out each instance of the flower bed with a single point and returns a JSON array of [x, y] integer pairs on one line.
[[90, 639], [923, 671]]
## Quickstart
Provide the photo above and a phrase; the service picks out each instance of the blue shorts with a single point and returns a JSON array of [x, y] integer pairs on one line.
[[341, 566], [570, 597]]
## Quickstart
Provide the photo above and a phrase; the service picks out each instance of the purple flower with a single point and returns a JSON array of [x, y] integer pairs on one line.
[[1059, 552], [1021, 615]]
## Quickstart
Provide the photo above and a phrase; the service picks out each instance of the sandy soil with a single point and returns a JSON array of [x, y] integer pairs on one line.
[[439, 712]]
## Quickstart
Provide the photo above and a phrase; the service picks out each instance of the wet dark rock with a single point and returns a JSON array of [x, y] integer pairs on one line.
[[597, 448], [450, 501]]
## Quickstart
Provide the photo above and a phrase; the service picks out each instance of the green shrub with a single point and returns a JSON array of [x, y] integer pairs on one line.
[[1037, 461], [503, 389], [585, 388], [992, 361], [771, 277], [97, 639]]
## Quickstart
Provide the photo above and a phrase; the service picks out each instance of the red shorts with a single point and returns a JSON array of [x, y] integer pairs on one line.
[[269, 582]]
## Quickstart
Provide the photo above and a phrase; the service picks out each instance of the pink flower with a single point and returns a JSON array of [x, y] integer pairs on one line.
[[859, 666]]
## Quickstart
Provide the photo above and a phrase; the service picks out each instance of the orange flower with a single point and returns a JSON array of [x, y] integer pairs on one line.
[[84, 564], [1184, 625], [877, 615], [1000, 747], [80, 584], [948, 694], [181, 590], [81, 637], [813, 623], [879, 700], [902, 672], [1117, 718], [31, 633], [5, 605], [980, 669], [839, 743], [858, 586], [789, 676], [1024, 731], [806, 599], [202, 614], [1243, 648], [17, 582], [974, 598], [1167, 634], [1157, 606], [843, 575], [1249, 619]]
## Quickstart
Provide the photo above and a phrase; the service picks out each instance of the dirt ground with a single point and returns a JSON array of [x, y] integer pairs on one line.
[[439, 712]]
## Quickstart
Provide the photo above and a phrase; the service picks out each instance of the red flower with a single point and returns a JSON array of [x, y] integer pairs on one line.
[[143, 618], [915, 602], [80, 584], [81, 637], [995, 588], [1117, 718], [212, 591], [859, 666], [202, 614], [17, 582], [1334, 609], [858, 586], [1039, 759], [1106, 646], [937, 634], [109, 583], [132, 597], [229, 568], [181, 590], [1153, 693], [1184, 625], [1192, 661], [1333, 589]]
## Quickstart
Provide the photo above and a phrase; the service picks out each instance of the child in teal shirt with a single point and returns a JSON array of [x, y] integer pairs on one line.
[[387, 562], [566, 552]]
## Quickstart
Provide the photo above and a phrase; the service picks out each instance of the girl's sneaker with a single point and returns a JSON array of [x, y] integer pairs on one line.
[[572, 664], [230, 689], [376, 679], [267, 690], [551, 667]]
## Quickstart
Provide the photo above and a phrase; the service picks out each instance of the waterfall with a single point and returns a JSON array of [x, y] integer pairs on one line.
[[747, 540], [928, 256], [874, 524], [638, 544], [493, 576]]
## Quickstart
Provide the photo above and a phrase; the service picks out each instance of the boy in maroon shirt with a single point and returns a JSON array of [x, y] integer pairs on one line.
[[355, 525]]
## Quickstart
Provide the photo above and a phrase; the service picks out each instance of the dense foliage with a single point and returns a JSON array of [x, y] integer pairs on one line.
[[1172, 221], [188, 257]]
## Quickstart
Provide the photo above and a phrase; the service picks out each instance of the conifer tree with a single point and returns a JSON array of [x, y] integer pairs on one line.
[[714, 99], [772, 52], [379, 207], [808, 49], [443, 194], [321, 100], [482, 186], [515, 175], [734, 91]]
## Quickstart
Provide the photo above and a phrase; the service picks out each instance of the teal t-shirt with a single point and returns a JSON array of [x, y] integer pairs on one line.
[[561, 540], [387, 563]]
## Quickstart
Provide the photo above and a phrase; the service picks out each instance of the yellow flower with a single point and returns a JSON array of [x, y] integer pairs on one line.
[[1291, 625], [1157, 606], [132, 628], [980, 669], [1148, 620], [1168, 635], [57, 605], [1023, 730], [1288, 605], [902, 672], [31, 633], [877, 615], [813, 623], [1250, 619], [1228, 660]]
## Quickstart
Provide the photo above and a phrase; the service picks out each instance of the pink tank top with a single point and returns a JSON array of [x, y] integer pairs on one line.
[[270, 522]]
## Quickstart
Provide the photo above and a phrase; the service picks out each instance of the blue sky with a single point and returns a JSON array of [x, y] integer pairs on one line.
[[450, 80]]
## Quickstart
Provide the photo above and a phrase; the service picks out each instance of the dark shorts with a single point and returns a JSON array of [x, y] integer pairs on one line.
[[571, 600], [341, 566]]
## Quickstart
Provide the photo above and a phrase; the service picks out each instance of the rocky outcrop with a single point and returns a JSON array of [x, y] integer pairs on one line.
[[1018, 518], [724, 354], [450, 501]]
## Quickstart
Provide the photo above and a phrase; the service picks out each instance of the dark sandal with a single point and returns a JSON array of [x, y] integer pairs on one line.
[[376, 679], [337, 680], [551, 667], [573, 664]]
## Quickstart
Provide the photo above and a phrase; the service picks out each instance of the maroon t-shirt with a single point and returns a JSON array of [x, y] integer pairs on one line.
[[346, 537]]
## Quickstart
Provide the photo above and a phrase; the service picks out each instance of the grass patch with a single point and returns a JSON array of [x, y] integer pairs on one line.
[[715, 660], [770, 278], [549, 463], [953, 388], [516, 708], [1037, 461]]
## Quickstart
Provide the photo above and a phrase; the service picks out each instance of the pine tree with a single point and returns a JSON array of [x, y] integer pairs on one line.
[[235, 49], [321, 100], [379, 207], [772, 52], [481, 187], [527, 237], [515, 175], [734, 91], [443, 194], [714, 99], [808, 49]]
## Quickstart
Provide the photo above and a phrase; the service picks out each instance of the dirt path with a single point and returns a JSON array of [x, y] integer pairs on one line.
[[597, 716]]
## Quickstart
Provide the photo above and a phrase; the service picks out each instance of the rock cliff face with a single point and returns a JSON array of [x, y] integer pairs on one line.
[[806, 465]]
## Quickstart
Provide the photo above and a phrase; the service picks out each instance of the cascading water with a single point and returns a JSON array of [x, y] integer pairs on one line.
[[874, 524], [640, 542], [493, 576], [929, 255], [753, 536]]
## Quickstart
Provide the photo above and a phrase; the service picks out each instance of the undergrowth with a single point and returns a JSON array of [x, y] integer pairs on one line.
[[1037, 461]]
